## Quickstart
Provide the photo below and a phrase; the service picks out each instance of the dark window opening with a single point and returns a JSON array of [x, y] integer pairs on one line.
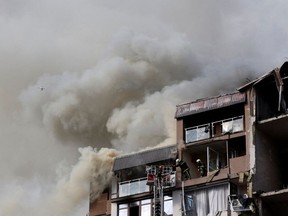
[[283, 161], [272, 97], [134, 211], [237, 147], [267, 100]]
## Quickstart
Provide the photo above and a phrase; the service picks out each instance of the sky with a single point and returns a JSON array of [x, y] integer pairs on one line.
[[83, 82]]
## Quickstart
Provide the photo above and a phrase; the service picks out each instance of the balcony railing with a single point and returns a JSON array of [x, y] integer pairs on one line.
[[137, 186], [196, 133], [218, 128], [231, 125], [132, 187]]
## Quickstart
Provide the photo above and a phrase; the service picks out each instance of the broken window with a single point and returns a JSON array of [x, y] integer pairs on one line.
[[272, 94], [267, 100]]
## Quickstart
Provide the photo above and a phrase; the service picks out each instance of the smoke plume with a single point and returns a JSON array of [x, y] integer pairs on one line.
[[109, 75]]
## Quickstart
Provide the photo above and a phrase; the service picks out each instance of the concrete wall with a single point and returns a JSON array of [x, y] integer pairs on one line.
[[238, 164], [177, 209], [268, 175], [100, 206]]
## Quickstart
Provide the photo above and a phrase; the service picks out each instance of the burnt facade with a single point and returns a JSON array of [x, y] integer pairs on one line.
[[240, 139]]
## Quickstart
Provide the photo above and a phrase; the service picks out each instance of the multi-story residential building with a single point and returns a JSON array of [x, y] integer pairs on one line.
[[130, 192], [242, 143]]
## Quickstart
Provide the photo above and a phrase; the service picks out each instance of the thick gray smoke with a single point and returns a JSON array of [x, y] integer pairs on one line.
[[109, 75], [76, 107]]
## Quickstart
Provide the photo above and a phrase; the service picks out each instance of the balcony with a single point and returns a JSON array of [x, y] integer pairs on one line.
[[196, 133], [132, 187], [138, 186], [226, 126], [214, 129]]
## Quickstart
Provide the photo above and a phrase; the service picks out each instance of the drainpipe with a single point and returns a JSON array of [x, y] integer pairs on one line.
[[227, 155], [183, 200]]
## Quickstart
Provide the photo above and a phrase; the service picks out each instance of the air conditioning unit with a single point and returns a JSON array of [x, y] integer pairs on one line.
[[240, 203]]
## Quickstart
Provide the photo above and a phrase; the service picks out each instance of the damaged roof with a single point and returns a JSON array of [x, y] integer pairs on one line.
[[145, 157], [206, 104], [203, 105], [278, 74]]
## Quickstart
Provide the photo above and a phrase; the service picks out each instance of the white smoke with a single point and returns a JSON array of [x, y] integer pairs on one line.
[[110, 75]]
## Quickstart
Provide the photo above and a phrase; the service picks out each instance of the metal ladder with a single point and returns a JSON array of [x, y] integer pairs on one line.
[[158, 197]]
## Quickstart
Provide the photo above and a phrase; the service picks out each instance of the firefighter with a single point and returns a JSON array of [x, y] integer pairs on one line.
[[160, 171], [201, 168], [185, 170]]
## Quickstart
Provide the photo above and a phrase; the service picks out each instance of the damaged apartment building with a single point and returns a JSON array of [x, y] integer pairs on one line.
[[241, 141]]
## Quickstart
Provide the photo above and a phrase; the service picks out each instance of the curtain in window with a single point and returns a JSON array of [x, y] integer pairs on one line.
[[217, 199], [206, 202]]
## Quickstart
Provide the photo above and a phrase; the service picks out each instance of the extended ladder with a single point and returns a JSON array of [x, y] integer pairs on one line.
[[159, 176], [158, 198]]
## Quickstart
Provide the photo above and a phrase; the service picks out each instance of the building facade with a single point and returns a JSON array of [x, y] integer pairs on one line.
[[236, 148]]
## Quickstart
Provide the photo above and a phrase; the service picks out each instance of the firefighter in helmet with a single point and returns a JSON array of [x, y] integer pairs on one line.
[[201, 168], [185, 170]]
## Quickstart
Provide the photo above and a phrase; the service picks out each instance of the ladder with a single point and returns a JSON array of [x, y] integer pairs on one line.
[[158, 197], [159, 176]]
